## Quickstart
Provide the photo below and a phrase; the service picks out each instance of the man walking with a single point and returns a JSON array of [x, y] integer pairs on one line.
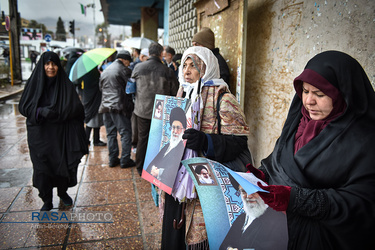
[[136, 58], [168, 55], [117, 107], [152, 77], [33, 56]]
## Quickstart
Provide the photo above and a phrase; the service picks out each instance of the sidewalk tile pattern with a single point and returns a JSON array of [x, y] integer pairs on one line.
[[100, 188]]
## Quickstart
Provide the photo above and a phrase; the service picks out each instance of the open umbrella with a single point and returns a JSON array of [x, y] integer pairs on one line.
[[137, 42], [88, 61], [66, 51]]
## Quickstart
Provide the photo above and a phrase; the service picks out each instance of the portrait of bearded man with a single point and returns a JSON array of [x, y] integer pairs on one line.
[[162, 165], [258, 227]]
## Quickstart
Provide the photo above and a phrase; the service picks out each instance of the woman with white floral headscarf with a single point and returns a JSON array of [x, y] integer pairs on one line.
[[200, 81]]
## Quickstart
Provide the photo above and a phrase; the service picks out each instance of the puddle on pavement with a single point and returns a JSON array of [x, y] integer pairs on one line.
[[10, 107], [15, 177]]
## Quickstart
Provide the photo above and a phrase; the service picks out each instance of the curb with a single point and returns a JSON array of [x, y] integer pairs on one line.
[[10, 95]]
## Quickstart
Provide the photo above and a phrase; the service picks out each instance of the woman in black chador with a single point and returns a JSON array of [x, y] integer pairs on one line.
[[321, 171], [55, 130]]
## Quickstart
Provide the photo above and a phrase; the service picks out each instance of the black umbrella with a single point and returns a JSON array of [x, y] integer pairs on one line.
[[68, 50]]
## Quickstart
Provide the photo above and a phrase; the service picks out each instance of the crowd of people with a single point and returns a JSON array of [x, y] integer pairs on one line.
[[319, 174]]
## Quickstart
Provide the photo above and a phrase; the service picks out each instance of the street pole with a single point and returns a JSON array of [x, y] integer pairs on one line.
[[10, 62], [74, 35], [11, 59], [93, 8], [14, 41]]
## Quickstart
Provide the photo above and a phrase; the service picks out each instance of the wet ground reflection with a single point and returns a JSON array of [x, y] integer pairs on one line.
[[10, 107], [100, 188]]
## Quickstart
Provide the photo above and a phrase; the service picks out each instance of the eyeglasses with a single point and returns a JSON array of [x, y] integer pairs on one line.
[[178, 128]]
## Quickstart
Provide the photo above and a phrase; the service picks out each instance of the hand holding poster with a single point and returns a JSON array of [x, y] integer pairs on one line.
[[235, 215]]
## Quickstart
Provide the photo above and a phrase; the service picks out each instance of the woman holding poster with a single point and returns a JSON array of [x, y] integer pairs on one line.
[[200, 82], [321, 171]]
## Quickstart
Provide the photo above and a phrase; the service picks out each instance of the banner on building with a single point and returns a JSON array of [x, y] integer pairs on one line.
[[31, 34]]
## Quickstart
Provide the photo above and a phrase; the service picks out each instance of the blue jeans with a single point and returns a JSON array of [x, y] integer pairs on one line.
[[114, 122]]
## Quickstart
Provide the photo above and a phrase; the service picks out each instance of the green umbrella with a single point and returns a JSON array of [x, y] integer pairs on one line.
[[88, 61]]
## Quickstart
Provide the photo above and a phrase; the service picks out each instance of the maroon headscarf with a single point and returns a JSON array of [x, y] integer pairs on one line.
[[309, 128]]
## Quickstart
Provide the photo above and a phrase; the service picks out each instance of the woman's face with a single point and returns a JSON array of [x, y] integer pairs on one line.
[[316, 102], [191, 74], [51, 69]]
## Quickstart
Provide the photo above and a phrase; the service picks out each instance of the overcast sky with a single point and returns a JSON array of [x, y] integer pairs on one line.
[[68, 10]]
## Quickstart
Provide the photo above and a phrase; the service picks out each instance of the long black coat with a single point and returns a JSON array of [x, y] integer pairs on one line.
[[91, 94], [56, 145]]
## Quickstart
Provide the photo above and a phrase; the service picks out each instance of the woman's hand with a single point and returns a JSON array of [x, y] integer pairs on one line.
[[196, 139], [258, 173], [47, 113], [278, 196]]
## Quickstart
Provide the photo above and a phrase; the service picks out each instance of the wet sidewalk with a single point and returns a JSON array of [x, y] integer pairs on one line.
[[100, 188], [7, 90]]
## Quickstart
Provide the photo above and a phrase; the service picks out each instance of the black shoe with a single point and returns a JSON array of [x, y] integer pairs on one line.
[[128, 164], [100, 143], [114, 163], [66, 200], [47, 206]]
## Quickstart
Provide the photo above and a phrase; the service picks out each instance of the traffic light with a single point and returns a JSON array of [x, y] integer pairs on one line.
[[71, 27]]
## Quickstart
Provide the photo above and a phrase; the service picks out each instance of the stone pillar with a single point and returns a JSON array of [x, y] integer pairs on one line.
[[149, 23], [136, 29]]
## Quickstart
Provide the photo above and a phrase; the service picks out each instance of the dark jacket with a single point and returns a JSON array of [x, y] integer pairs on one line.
[[91, 95], [112, 83], [33, 56], [136, 61], [152, 77], [224, 69], [175, 70]]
